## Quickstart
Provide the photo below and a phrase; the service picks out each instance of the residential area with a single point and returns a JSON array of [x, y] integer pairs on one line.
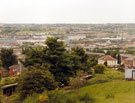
[[66, 54]]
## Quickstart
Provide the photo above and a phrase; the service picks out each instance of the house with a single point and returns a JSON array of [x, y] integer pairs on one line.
[[111, 62], [129, 62], [16, 70]]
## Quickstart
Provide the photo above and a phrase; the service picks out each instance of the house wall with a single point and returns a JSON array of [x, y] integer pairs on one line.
[[112, 63], [109, 63], [128, 63], [128, 73], [11, 72], [133, 63]]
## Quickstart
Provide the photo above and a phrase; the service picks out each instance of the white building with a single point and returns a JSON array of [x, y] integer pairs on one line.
[[112, 62], [130, 74]]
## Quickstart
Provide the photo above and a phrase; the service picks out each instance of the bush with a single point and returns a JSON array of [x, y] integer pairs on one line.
[[9, 80], [87, 99], [43, 98], [56, 97], [110, 96], [35, 81], [32, 99], [99, 68]]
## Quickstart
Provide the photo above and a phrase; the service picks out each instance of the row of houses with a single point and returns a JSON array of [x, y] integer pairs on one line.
[[127, 60]]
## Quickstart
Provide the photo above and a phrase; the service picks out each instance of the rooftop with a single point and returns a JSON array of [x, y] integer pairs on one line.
[[107, 57]]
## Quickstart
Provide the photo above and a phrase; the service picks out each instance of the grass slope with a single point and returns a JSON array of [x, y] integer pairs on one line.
[[110, 87]]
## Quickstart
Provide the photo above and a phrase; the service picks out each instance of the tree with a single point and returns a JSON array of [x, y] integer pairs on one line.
[[8, 58], [119, 59], [35, 80], [80, 59], [59, 60], [105, 63], [77, 81], [0, 90], [35, 56], [54, 57], [81, 53], [112, 53], [0, 83]]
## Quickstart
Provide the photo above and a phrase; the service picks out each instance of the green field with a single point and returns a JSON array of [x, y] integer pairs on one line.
[[109, 87]]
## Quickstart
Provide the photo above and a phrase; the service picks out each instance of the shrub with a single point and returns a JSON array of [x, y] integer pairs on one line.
[[56, 97], [110, 96], [43, 98], [72, 100], [9, 80], [99, 68], [87, 99], [32, 99]]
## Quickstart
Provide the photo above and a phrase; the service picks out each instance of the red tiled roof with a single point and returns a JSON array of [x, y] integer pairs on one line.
[[107, 57]]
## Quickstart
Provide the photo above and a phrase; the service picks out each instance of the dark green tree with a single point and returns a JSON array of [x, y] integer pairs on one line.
[[81, 53], [59, 59], [119, 59], [0, 90], [80, 59], [8, 58], [112, 53], [54, 57], [35, 80], [35, 57], [105, 63]]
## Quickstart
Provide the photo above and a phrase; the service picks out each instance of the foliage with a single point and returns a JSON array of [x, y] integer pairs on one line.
[[8, 58], [99, 68], [105, 63], [77, 81], [32, 99], [59, 60], [25, 50], [113, 53], [114, 86], [8, 80], [0, 90], [93, 60], [54, 57], [121, 68], [35, 81], [56, 97], [110, 96], [35, 56], [119, 59], [108, 76], [14, 98], [43, 98], [87, 99]]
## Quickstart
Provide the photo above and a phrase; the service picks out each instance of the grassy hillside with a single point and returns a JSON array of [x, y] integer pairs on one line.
[[110, 87]]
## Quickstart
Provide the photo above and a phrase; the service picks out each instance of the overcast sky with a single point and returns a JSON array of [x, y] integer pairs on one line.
[[67, 11]]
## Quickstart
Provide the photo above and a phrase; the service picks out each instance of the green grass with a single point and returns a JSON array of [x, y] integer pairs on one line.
[[110, 87]]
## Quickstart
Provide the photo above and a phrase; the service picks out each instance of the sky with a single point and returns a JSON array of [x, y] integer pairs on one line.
[[67, 11]]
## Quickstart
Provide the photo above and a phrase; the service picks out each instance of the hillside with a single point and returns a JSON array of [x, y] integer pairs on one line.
[[110, 87]]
